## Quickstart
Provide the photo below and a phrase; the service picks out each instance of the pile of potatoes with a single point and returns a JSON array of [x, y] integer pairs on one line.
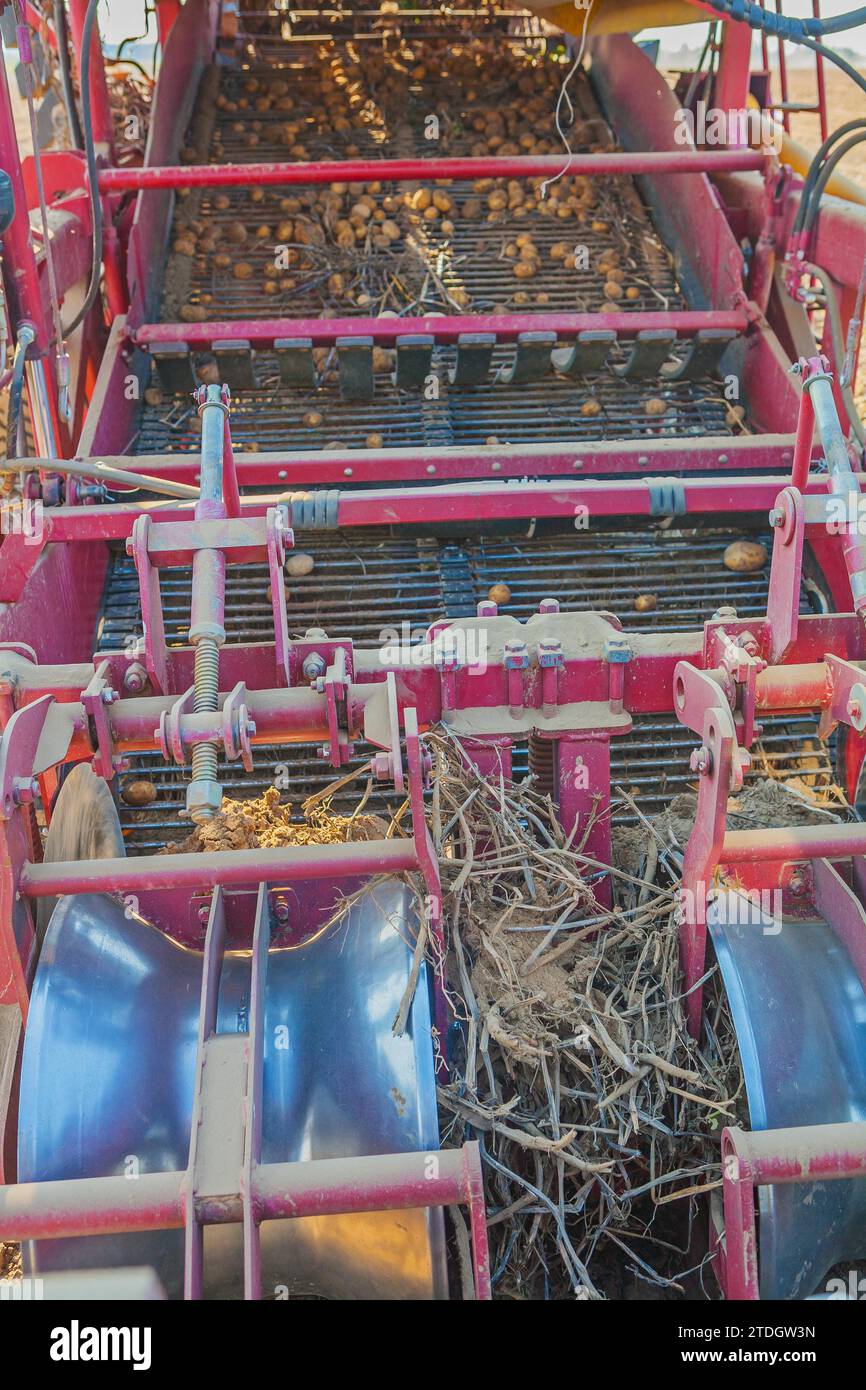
[[495, 101]]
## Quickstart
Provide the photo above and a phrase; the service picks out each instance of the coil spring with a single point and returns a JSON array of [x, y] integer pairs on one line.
[[541, 759], [207, 683]]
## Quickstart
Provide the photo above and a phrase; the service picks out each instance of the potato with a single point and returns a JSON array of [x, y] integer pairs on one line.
[[236, 233], [139, 793], [745, 557], [312, 420], [193, 313], [373, 441], [298, 564], [590, 408], [243, 271], [655, 406], [645, 603], [499, 593]]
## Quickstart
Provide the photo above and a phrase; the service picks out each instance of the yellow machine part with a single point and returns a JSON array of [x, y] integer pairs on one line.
[[631, 16], [619, 16]]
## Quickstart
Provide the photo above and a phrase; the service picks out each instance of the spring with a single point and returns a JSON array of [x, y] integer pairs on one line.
[[541, 760]]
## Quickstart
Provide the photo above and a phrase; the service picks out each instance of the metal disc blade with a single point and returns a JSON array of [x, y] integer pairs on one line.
[[799, 1011], [108, 1075]]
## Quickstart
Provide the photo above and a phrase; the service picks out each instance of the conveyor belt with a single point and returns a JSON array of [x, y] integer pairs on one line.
[[469, 269], [364, 580]]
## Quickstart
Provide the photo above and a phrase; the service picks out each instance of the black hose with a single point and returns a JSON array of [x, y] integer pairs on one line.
[[66, 76], [817, 164], [16, 390], [92, 172], [836, 58], [825, 175]]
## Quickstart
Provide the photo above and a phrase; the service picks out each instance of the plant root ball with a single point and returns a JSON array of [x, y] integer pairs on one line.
[[745, 557]]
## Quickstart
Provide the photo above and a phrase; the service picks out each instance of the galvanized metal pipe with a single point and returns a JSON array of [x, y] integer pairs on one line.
[[207, 617], [843, 480]]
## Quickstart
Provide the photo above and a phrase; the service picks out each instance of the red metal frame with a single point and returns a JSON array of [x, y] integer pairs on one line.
[[574, 680], [819, 1153]]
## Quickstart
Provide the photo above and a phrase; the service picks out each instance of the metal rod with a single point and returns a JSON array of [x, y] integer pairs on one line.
[[446, 328], [206, 871], [614, 162], [81, 468]]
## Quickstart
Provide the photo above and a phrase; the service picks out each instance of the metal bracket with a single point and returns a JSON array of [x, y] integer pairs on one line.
[[279, 538], [170, 731], [786, 571], [95, 699]]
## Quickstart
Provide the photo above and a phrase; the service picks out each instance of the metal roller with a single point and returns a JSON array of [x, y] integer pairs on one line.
[[108, 1075], [799, 1010]]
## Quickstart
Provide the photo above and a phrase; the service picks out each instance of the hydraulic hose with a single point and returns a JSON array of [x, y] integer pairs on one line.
[[817, 165], [62, 36], [92, 172], [25, 336]]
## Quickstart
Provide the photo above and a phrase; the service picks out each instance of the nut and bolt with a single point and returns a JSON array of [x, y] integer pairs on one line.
[[135, 678], [701, 759], [549, 605], [516, 656], [314, 666]]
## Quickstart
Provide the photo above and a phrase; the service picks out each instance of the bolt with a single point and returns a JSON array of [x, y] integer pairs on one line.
[[108, 697], [701, 760], [24, 790], [797, 885], [549, 605], [281, 910], [516, 656], [855, 711], [314, 666], [487, 609], [776, 517], [135, 678], [204, 914], [550, 653]]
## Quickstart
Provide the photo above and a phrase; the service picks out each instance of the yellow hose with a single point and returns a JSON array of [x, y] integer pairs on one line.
[[800, 157], [630, 16], [619, 16]]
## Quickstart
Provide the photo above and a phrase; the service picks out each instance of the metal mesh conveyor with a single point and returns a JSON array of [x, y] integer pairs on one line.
[[364, 577], [300, 99], [341, 101]]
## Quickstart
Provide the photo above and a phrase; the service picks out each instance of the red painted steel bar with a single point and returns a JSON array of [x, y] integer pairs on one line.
[[306, 468], [626, 163], [387, 1182], [319, 1187], [91, 1206], [780, 1156], [814, 1153], [206, 871], [446, 328], [794, 842], [453, 502]]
